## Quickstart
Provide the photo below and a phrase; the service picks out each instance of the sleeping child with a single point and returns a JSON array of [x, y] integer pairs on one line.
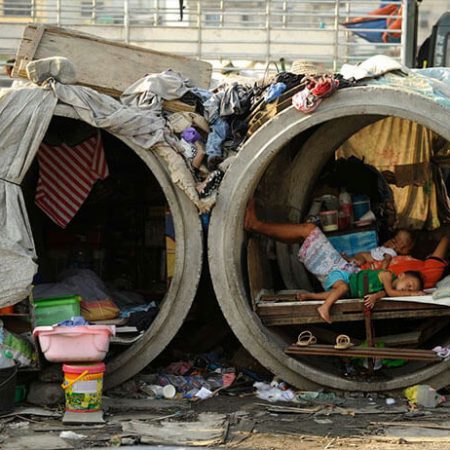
[[368, 284], [337, 276], [401, 244]]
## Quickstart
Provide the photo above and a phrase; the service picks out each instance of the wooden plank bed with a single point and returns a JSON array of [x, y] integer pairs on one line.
[[283, 309]]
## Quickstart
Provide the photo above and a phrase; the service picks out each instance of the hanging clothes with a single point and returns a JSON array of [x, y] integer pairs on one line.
[[66, 177], [397, 145]]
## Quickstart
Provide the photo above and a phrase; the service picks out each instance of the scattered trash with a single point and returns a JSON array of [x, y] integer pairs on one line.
[[18, 425], [424, 395], [72, 435], [323, 421], [270, 393], [390, 401], [203, 394], [208, 429], [442, 352], [319, 397]]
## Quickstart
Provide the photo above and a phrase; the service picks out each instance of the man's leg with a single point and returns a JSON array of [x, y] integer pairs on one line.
[[289, 233], [441, 249], [339, 289]]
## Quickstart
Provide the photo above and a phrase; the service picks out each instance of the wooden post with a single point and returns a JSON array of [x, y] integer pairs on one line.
[[369, 336]]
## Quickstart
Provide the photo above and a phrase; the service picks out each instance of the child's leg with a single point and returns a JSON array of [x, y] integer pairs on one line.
[[312, 295], [339, 289]]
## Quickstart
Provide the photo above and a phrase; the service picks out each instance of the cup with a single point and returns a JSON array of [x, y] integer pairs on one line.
[[157, 390], [368, 216], [329, 220], [169, 391]]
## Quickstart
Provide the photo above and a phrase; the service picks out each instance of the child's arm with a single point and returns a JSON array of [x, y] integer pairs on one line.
[[386, 279], [370, 299], [362, 257], [386, 261]]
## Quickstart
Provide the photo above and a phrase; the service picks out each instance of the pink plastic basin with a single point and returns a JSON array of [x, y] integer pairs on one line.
[[74, 344]]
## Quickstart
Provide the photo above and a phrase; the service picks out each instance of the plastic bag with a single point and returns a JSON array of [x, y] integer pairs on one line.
[[16, 348], [423, 395], [93, 310]]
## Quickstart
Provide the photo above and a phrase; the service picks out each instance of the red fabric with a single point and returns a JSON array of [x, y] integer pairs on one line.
[[66, 177], [431, 268]]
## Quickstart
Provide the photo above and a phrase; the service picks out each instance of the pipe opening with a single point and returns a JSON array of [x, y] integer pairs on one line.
[[403, 178], [126, 242]]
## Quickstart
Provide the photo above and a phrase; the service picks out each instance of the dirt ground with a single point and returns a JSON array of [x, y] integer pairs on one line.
[[333, 427], [248, 423]]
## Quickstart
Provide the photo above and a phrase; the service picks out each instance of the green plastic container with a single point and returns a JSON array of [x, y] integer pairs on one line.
[[49, 311], [20, 393]]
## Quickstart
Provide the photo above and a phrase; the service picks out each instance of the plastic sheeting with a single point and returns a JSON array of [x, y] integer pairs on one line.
[[24, 117]]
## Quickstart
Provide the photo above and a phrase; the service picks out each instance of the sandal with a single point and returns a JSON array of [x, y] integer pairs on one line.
[[343, 342], [306, 338]]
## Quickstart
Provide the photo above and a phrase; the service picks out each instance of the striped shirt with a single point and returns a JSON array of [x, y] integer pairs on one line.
[[66, 177]]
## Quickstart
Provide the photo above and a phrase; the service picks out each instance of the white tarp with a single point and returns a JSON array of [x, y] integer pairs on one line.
[[24, 118], [421, 299]]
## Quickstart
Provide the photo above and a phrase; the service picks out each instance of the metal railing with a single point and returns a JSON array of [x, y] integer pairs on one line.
[[243, 32]]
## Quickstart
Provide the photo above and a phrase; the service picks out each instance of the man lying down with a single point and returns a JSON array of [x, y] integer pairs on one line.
[[340, 277]]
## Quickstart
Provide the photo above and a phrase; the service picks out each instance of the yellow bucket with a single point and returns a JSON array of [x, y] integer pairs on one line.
[[83, 385]]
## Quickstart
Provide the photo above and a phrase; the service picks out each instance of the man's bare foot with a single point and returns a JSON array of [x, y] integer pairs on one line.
[[324, 313], [250, 219]]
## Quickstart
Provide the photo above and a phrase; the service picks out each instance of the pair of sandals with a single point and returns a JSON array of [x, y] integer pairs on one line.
[[306, 338]]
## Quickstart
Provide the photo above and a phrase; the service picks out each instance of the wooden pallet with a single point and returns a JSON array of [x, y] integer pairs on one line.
[[107, 66], [363, 352], [281, 311]]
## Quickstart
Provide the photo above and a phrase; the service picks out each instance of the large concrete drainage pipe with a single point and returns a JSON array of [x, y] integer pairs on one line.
[[180, 294], [297, 146]]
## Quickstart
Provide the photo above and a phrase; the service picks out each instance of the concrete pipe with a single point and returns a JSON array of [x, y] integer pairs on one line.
[[283, 160], [179, 296]]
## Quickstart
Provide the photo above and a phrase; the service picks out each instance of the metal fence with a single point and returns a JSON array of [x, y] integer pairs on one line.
[[237, 33]]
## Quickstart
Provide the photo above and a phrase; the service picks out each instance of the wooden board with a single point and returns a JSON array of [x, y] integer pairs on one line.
[[107, 66], [259, 274], [363, 352], [348, 310]]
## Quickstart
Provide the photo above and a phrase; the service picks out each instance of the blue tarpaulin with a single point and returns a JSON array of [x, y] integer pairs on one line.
[[373, 29]]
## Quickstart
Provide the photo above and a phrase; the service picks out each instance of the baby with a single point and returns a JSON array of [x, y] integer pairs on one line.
[[401, 244]]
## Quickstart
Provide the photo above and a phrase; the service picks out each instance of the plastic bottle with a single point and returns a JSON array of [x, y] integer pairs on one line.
[[345, 209], [313, 213]]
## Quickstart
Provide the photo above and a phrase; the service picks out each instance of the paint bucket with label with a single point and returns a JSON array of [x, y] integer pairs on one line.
[[83, 384]]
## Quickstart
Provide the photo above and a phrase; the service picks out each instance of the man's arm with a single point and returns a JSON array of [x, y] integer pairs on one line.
[[441, 249]]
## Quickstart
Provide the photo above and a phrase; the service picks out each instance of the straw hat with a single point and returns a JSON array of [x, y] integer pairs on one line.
[[303, 67]]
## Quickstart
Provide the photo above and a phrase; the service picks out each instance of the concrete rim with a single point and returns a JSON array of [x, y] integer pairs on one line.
[[188, 265], [226, 234]]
